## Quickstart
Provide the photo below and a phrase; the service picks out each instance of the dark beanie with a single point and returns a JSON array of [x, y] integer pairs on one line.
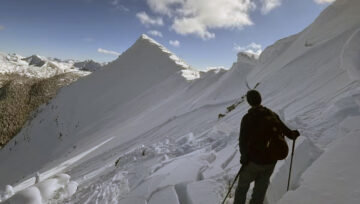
[[253, 97]]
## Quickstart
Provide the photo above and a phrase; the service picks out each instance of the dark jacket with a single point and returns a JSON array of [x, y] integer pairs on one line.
[[248, 130]]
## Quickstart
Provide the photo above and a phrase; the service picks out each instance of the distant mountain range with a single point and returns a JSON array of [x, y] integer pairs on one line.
[[43, 67]]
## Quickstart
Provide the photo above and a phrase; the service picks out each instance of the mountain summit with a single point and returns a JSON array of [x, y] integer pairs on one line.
[[148, 54]]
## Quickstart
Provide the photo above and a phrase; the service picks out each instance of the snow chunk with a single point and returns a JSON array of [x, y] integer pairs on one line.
[[147, 187], [178, 171], [166, 195], [53, 189], [9, 191], [204, 192], [188, 138], [334, 177], [30, 195], [227, 158], [305, 154]]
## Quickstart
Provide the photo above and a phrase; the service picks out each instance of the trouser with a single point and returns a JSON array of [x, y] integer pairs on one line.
[[253, 172]]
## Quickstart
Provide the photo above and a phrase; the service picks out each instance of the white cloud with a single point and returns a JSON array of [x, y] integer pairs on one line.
[[147, 20], [174, 43], [198, 17], [268, 5], [252, 48], [2, 27], [117, 5], [109, 52], [324, 1], [165, 7], [155, 33]]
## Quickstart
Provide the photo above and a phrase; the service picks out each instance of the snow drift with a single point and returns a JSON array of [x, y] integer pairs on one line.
[[58, 187]]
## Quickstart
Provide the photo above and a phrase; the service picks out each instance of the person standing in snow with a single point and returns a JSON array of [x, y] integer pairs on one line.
[[257, 161]]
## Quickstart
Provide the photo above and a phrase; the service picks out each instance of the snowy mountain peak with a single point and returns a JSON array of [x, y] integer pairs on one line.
[[147, 38], [247, 57], [13, 57], [35, 60], [88, 65], [147, 47]]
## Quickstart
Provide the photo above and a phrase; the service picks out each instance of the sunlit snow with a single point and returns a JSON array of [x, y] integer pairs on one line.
[[154, 123]]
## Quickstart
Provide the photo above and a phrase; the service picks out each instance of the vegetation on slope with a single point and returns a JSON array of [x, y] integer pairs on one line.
[[21, 96]]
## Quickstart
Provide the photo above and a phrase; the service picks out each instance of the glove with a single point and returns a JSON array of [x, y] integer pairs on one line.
[[295, 134]]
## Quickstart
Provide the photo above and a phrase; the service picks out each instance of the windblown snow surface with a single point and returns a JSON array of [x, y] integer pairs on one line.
[[145, 129]]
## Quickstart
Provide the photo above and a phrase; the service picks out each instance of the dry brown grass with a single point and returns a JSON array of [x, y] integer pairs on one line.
[[21, 96]]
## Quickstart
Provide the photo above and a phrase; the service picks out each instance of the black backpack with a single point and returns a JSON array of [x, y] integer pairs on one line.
[[268, 142]]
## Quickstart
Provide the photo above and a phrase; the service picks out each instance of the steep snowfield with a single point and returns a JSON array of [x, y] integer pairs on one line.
[[109, 98], [145, 129]]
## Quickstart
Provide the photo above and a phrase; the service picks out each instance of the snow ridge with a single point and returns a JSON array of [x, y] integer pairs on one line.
[[187, 72]]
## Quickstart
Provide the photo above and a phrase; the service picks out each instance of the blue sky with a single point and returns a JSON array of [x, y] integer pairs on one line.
[[203, 34]]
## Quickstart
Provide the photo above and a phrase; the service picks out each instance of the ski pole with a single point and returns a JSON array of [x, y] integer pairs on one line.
[[236, 177], [291, 161]]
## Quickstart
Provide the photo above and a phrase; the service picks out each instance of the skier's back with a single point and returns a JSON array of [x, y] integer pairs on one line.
[[257, 162]]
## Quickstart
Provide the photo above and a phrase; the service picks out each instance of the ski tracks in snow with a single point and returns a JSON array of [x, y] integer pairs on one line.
[[351, 70]]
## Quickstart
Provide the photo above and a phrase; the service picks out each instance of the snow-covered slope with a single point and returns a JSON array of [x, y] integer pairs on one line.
[[321, 65], [106, 99], [318, 96], [141, 131]]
